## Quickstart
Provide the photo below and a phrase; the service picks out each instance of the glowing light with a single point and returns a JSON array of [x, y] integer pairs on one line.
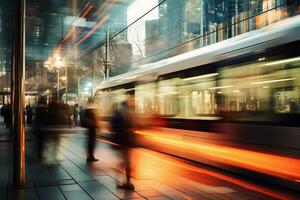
[[201, 76], [130, 77], [283, 61], [273, 81], [221, 87], [89, 84], [63, 78], [58, 63]]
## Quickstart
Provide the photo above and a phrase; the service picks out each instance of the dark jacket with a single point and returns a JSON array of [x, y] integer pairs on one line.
[[122, 129], [90, 118]]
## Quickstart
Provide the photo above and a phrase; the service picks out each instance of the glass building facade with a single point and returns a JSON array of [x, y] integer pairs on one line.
[[109, 40], [149, 31]]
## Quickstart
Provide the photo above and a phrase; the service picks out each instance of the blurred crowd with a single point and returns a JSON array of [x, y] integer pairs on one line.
[[54, 112], [47, 117]]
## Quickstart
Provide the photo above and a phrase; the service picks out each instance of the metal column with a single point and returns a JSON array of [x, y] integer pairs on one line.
[[19, 95]]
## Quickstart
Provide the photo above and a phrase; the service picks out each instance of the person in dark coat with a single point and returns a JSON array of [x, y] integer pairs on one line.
[[7, 116], [75, 114], [90, 121], [122, 127], [29, 114], [81, 113]]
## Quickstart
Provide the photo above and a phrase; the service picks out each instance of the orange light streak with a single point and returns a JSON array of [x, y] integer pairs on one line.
[[220, 176], [279, 166], [87, 10], [93, 30], [85, 13]]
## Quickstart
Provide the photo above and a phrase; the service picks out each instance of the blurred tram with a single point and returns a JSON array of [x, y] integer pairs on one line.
[[242, 93]]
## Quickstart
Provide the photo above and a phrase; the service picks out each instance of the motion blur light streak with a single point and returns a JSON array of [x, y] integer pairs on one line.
[[173, 162], [283, 61], [202, 76], [86, 12], [102, 21], [284, 167], [273, 81], [221, 87]]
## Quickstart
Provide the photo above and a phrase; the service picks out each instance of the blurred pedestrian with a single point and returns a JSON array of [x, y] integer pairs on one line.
[[122, 127], [75, 114], [7, 116], [81, 113], [29, 114], [40, 122], [90, 121]]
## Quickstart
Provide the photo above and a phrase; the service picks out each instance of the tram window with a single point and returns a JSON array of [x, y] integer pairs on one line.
[[168, 104], [145, 99], [203, 102], [286, 100], [258, 86], [168, 97]]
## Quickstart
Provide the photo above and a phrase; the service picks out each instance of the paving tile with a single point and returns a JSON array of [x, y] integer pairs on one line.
[[126, 194], [176, 195], [149, 193], [21, 194], [77, 195], [204, 197], [141, 198], [90, 184], [44, 183], [77, 174], [97, 191], [49, 193], [68, 188], [159, 186], [104, 196], [158, 198], [59, 173], [141, 187], [107, 181], [65, 182], [98, 181]]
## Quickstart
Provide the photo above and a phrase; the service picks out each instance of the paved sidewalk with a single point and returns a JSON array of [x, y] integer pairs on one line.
[[64, 174]]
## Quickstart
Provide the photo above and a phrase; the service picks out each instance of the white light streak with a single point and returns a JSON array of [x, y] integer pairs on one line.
[[283, 61], [221, 87], [201, 76], [273, 81]]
